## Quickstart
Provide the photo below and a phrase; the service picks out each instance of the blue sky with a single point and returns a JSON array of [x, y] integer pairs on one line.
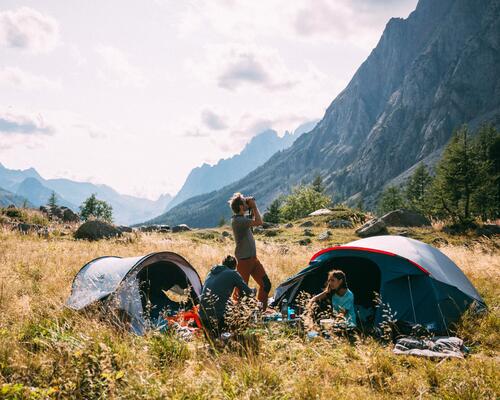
[[135, 94]]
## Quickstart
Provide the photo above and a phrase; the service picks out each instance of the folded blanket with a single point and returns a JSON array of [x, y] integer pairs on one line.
[[439, 347]]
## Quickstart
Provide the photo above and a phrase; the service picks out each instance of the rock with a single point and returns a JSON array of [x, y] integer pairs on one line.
[[269, 225], [340, 223], [271, 232], [321, 211], [324, 235], [124, 229], [308, 232], [68, 215], [405, 218], [306, 224], [488, 230], [149, 228], [96, 230], [225, 234], [25, 228], [164, 228], [258, 230], [180, 228], [373, 227], [289, 225], [304, 242]]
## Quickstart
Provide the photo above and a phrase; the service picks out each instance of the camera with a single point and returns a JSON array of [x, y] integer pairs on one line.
[[248, 198]]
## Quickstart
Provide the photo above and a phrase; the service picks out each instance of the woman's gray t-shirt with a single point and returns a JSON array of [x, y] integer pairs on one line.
[[243, 237]]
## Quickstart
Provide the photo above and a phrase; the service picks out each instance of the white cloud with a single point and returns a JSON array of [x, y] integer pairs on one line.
[[212, 120], [18, 79], [28, 29], [233, 66], [117, 70], [23, 124]]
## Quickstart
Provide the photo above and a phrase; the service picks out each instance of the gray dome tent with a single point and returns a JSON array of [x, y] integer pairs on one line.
[[131, 284], [420, 283]]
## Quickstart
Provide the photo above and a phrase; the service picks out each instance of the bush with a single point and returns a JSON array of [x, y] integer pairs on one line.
[[302, 201]]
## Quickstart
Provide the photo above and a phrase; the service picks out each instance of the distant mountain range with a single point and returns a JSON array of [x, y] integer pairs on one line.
[[428, 75], [20, 185], [207, 178]]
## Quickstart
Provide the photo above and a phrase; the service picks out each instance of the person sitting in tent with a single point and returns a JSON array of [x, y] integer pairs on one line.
[[216, 293], [342, 298]]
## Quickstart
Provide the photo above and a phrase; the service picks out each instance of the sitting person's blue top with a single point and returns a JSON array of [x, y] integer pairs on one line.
[[345, 304]]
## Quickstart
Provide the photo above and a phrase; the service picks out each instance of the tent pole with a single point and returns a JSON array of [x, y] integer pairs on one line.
[[411, 299]]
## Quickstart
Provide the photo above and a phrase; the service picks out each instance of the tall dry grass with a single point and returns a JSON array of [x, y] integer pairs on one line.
[[47, 351]]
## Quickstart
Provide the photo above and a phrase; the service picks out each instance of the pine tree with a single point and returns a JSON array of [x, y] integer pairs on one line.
[[52, 203], [486, 198], [317, 184], [391, 199], [417, 190], [456, 178], [273, 214]]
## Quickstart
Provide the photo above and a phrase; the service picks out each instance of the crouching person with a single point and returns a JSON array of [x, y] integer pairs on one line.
[[216, 293]]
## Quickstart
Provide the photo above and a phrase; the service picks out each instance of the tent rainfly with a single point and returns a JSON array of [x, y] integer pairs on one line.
[[135, 285], [420, 283]]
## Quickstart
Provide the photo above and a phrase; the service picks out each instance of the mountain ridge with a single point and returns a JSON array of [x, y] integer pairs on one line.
[[259, 149]]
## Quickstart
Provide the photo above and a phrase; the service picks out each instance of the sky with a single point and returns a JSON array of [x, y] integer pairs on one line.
[[134, 94]]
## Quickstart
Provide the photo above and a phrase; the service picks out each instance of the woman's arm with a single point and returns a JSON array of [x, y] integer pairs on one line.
[[321, 296]]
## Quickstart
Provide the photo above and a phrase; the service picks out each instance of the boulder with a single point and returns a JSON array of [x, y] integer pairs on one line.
[[321, 211], [308, 232], [340, 223], [271, 232], [373, 227], [96, 230], [68, 215], [488, 230], [289, 225], [405, 218], [124, 229], [258, 230], [180, 228], [164, 228], [25, 228], [324, 236], [306, 224], [149, 228], [269, 225]]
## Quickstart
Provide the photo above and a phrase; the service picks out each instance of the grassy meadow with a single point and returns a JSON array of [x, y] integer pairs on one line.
[[47, 351]]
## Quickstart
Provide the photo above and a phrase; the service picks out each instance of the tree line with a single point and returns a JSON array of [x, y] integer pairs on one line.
[[465, 184]]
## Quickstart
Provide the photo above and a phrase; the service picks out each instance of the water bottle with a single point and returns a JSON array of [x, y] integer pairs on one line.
[[284, 309]]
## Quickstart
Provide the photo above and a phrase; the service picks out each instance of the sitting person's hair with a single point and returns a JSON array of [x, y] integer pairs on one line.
[[236, 201], [229, 262], [338, 274]]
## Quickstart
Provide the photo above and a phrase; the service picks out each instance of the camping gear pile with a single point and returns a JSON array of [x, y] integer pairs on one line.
[[419, 284]]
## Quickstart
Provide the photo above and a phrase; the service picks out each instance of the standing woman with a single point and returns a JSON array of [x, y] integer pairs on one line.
[[342, 298]]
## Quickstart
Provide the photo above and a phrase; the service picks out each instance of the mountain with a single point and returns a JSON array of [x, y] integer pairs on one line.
[[38, 194], [7, 198], [428, 75], [207, 178], [126, 209]]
